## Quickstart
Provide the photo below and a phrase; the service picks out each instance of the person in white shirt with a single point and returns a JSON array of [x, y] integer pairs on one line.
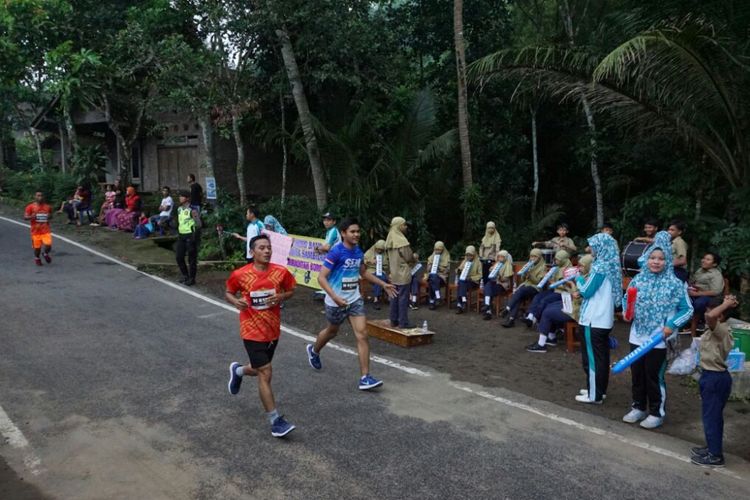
[[254, 228], [601, 292], [162, 219]]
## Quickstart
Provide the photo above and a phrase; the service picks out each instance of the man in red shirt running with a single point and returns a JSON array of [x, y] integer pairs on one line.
[[39, 213], [263, 286]]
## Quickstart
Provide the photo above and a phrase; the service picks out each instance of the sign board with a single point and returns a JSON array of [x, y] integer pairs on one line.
[[304, 262], [210, 188]]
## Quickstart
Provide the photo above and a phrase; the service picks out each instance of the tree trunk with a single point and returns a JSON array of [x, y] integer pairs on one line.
[[207, 130], [63, 148], [594, 164], [71, 131], [535, 160], [311, 143], [285, 158], [567, 19], [38, 143], [240, 144], [463, 115]]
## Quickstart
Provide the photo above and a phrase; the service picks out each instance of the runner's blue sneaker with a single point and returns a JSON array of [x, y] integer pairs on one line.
[[235, 381], [369, 382], [281, 427], [313, 358]]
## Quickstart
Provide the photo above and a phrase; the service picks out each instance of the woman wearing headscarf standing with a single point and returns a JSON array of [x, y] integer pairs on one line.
[[600, 292], [400, 260], [499, 279], [436, 273], [490, 245], [661, 304]]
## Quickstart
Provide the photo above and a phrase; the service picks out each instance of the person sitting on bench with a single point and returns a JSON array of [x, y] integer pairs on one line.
[[469, 274], [527, 289], [499, 279], [547, 296], [706, 284], [161, 220], [437, 271]]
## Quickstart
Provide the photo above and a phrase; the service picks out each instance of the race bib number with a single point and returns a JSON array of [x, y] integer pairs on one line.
[[259, 299], [465, 271], [379, 265], [435, 264], [415, 269], [41, 217], [349, 284], [567, 301]]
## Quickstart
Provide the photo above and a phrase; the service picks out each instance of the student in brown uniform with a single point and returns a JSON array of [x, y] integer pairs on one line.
[[400, 260], [488, 248], [436, 273], [559, 242], [715, 382], [527, 289], [650, 228], [377, 264], [468, 274], [499, 279], [679, 250], [706, 284]]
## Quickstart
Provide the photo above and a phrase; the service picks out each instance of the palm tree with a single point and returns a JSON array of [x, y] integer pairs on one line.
[[672, 78]]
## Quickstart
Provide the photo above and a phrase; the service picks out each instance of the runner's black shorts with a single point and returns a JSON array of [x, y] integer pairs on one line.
[[260, 353]]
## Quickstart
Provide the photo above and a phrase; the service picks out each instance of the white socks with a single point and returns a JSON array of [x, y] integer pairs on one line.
[[542, 340], [487, 300], [239, 371], [437, 294]]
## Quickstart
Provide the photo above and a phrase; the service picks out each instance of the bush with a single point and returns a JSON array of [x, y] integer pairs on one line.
[[56, 186]]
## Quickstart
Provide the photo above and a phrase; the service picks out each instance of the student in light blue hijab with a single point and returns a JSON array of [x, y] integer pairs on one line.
[[662, 305], [600, 293], [272, 224]]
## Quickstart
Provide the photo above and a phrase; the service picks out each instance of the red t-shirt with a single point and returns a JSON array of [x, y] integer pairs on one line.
[[260, 322], [40, 215]]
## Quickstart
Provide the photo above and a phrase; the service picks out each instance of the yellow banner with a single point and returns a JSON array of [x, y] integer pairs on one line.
[[304, 262]]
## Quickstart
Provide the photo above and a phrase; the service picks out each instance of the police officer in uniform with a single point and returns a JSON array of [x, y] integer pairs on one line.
[[188, 239]]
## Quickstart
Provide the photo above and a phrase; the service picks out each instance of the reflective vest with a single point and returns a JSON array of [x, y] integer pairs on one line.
[[186, 224]]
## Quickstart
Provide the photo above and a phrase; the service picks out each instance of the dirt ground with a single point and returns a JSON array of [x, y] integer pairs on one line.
[[466, 347]]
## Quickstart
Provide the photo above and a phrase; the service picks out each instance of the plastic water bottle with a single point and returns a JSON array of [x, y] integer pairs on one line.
[[481, 283], [424, 327]]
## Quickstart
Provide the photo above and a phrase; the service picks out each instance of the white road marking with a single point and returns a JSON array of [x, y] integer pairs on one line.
[[211, 315], [407, 369], [15, 438]]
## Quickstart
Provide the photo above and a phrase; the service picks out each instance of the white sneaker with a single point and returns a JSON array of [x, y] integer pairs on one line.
[[585, 392], [652, 422], [634, 416], [584, 398]]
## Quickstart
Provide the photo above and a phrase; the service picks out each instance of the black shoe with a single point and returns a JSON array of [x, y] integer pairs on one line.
[[190, 282], [509, 323], [699, 452], [184, 279], [552, 342], [394, 324], [528, 322], [432, 307], [708, 460], [487, 316], [407, 326], [413, 306], [535, 347], [459, 310], [505, 313]]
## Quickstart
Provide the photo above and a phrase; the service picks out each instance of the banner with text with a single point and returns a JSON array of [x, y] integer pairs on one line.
[[304, 262]]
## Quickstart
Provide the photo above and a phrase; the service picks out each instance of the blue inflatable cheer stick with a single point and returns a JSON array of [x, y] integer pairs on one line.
[[657, 337]]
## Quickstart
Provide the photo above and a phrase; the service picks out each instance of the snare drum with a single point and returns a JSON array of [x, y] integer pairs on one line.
[[548, 255], [629, 257]]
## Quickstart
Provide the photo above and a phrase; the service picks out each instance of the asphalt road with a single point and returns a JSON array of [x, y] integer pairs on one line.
[[113, 385]]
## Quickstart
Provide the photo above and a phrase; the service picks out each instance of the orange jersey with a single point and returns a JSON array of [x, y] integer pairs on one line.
[[260, 322], [40, 216]]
